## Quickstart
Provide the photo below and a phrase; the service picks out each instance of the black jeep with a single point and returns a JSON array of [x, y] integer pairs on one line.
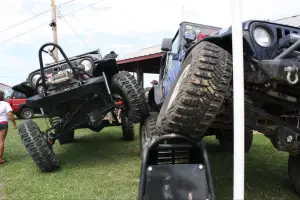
[[194, 96], [77, 93]]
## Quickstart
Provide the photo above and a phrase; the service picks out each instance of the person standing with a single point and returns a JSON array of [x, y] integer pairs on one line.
[[5, 113], [154, 82]]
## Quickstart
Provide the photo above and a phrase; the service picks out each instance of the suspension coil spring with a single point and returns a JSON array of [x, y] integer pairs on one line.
[[54, 121]]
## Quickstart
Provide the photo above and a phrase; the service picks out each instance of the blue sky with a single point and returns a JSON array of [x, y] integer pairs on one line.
[[122, 26]]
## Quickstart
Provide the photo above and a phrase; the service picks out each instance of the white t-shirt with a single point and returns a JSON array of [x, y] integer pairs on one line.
[[4, 109]]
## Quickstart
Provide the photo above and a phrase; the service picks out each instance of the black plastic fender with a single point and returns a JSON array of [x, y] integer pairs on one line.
[[24, 88], [223, 38], [108, 65], [21, 106]]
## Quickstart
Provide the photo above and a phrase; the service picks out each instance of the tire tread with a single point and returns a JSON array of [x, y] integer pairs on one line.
[[201, 94]]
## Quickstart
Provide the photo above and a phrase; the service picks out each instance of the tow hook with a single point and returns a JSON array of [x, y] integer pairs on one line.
[[291, 71]]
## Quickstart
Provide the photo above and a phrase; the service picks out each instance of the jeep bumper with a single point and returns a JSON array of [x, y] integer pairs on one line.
[[67, 93], [285, 71]]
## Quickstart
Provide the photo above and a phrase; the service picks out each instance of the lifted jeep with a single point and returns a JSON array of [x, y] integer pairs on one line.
[[194, 96], [77, 93]]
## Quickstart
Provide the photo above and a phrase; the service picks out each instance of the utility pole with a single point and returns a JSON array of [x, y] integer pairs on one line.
[[53, 24]]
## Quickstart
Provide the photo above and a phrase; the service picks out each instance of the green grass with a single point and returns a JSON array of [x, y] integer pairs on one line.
[[102, 166]]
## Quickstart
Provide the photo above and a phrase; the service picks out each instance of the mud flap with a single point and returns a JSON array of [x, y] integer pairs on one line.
[[175, 167]]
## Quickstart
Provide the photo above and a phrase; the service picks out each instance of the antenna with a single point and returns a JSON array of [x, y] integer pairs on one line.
[[182, 13]]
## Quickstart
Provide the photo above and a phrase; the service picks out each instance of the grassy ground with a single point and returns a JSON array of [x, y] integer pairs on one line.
[[102, 166]]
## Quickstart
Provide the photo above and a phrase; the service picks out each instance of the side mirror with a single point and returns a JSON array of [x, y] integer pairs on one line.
[[166, 44]]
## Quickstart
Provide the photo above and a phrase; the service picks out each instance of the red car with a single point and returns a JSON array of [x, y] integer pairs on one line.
[[17, 102]]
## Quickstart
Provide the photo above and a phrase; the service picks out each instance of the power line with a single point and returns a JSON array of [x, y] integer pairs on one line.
[[82, 8], [66, 2], [47, 23], [73, 30], [37, 15], [24, 21], [22, 33]]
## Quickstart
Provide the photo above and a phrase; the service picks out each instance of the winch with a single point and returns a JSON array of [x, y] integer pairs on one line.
[[60, 77]]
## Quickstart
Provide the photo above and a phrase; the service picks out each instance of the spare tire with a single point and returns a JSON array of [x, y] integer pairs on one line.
[[125, 85], [198, 91]]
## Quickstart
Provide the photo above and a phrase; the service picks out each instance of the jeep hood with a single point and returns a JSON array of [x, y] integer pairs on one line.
[[24, 88]]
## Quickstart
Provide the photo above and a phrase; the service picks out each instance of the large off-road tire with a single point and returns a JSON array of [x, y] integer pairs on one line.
[[125, 85], [27, 113], [127, 128], [18, 115], [153, 107], [198, 91], [147, 129], [226, 139], [37, 147], [67, 138], [294, 172]]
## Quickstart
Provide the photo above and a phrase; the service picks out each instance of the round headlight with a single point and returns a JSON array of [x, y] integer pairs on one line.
[[262, 37], [35, 78], [87, 65]]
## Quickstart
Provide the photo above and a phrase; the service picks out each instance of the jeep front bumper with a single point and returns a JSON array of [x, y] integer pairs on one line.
[[285, 70], [91, 86], [281, 68]]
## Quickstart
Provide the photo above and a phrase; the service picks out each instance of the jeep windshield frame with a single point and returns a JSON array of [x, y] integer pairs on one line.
[[205, 29], [92, 54], [198, 28]]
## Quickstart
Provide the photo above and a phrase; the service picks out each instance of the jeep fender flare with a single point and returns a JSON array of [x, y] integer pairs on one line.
[[151, 99], [224, 41], [21, 106], [109, 66]]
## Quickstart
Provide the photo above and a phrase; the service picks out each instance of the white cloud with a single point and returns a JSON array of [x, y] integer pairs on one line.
[[134, 17]]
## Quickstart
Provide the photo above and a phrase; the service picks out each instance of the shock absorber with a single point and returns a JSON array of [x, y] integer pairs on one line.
[[54, 121]]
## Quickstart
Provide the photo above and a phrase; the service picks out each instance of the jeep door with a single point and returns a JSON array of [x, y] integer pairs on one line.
[[171, 69]]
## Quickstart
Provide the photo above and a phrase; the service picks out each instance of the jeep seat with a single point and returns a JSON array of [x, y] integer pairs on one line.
[[175, 167]]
